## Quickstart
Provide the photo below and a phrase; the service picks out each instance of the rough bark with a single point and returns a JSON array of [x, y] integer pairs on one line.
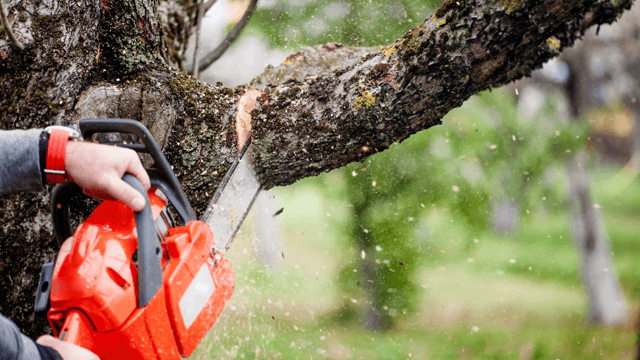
[[97, 58]]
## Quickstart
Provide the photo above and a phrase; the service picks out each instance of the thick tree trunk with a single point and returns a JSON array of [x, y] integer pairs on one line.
[[92, 58], [607, 304], [606, 301]]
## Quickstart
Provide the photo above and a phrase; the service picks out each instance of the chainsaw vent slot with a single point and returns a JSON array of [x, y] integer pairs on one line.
[[118, 279]]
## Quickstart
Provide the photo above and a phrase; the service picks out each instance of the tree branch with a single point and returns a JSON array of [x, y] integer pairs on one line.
[[196, 60], [7, 27], [307, 126], [216, 53]]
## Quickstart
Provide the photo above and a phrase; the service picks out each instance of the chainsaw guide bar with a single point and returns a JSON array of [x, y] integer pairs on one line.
[[233, 199]]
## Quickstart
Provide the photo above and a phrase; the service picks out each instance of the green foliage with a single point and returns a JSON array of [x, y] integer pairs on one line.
[[382, 272], [295, 23], [490, 152], [485, 152], [540, 352]]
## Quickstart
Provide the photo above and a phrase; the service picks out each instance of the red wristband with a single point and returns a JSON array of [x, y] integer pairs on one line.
[[56, 152]]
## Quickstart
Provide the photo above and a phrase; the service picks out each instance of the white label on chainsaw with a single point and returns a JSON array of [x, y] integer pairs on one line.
[[197, 295]]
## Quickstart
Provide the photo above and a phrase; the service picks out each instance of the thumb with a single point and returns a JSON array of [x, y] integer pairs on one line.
[[126, 194]]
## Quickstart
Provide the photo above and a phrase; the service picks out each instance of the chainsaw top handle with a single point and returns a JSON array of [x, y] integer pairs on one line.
[[162, 176]]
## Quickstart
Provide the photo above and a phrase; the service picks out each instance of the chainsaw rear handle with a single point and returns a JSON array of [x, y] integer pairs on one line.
[[162, 176]]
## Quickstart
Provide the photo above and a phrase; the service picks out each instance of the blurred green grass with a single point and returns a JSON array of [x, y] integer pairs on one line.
[[515, 296]]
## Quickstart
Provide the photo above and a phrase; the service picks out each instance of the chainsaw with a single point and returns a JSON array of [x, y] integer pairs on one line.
[[150, 284]]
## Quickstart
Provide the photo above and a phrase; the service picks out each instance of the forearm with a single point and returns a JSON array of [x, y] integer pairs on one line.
[[20, 165]]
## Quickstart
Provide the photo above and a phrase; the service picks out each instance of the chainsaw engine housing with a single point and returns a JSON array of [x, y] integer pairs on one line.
[[95, 276]]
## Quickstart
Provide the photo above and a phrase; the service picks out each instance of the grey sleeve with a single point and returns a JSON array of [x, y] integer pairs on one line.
[[20, 161], [14, 345]]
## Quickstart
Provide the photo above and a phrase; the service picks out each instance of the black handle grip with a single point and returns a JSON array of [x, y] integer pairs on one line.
[[60, 199], [162, 176], [149, 251]]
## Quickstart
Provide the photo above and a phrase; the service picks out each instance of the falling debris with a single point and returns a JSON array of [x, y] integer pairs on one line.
[[363, 255], [283, 254], [278, 212], [378, 248]]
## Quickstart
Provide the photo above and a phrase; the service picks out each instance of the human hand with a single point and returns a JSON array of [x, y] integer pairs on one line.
[[98, 170], [66, 350]]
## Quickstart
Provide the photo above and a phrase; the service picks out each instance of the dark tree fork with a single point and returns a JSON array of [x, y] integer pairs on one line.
[[329, 105]]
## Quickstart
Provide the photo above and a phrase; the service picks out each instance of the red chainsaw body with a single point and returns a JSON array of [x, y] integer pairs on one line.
[[94, 288]]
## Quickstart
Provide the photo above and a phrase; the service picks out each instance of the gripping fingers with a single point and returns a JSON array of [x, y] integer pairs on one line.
[[66, 350], [136, 169], [126, 194]]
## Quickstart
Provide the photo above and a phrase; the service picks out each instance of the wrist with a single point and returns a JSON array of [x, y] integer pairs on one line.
[[48, 353], [42, 148], [56, 151]]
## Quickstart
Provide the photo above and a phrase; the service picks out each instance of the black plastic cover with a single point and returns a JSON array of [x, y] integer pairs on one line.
[[43, 302]]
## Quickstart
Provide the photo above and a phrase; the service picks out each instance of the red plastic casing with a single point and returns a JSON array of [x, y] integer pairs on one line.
[[94, 288]]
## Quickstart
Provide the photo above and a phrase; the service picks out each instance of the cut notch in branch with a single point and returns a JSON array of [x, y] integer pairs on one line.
[[7, 27], [216, 53]]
